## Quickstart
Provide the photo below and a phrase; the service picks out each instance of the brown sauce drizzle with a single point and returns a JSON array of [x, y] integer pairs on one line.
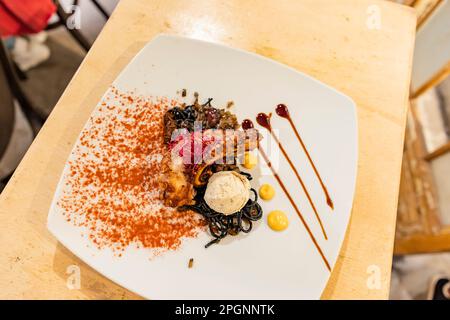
[[248, 124], [283, 112], [264, 121]]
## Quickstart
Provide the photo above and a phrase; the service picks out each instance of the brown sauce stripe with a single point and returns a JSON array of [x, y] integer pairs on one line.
[[248, 124], [264, 120], [277, 177], [283, 112]]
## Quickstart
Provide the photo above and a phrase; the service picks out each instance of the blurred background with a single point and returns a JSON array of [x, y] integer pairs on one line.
[[45, 41]]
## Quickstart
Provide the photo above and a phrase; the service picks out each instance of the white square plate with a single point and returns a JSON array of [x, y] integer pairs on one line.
[[263, 264]]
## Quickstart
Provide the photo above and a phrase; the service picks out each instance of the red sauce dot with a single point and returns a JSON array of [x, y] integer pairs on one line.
[[282, 111], [264, 120], [247, 124]]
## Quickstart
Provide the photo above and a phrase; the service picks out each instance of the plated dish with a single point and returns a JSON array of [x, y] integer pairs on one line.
[[203, 173], [188, 183]]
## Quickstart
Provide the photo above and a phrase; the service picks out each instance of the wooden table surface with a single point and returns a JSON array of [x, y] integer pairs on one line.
[[362, 48]]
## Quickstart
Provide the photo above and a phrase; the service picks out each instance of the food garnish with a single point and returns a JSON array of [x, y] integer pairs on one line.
[[113, 178], [277, 220], [266, 192]]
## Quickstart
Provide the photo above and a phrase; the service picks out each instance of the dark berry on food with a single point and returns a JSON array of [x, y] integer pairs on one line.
[[212, 117], [177, 113], [190, 113]]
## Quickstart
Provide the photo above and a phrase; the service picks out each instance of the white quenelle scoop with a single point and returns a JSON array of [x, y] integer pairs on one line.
[[227, 192]]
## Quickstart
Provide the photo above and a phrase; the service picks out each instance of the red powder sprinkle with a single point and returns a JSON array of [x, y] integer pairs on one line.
[[114, 180]]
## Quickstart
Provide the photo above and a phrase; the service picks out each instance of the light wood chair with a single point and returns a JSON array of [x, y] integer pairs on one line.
[[419, 224]]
